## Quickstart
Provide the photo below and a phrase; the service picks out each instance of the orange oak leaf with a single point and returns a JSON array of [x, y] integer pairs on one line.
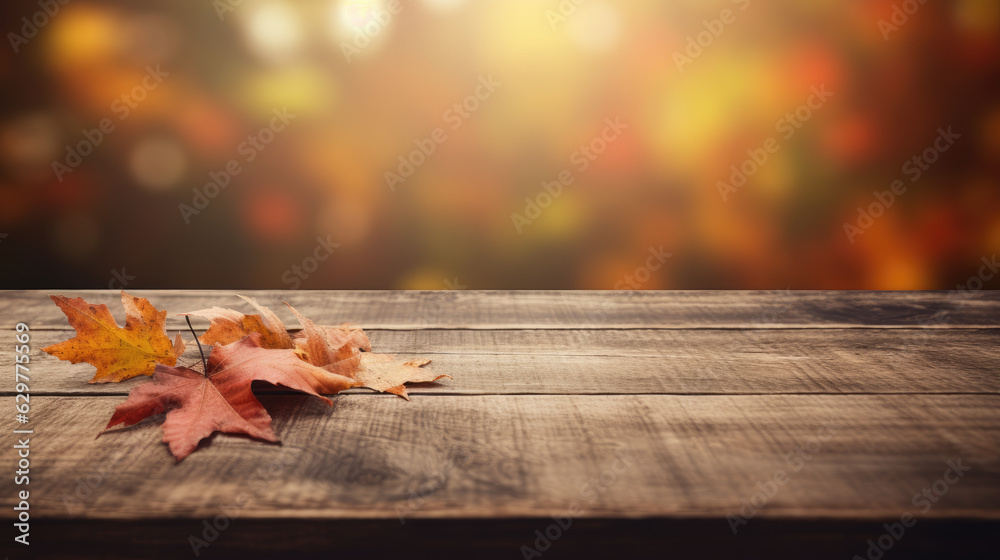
[[387, 374], [334, 349], [345, 334], [198, 405], [229, 326], [118, 353]]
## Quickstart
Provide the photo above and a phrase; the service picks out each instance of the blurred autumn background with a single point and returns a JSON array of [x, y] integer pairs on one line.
[[185, 89]]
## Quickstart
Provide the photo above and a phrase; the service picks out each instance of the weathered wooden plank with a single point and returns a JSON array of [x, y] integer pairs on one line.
[[561, 310], [647, 361], [856, 457], [476, 464]]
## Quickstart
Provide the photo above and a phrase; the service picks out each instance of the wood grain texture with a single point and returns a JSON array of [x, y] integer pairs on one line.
[[530, 456], [565, 310], [670, 361], [707, 394]]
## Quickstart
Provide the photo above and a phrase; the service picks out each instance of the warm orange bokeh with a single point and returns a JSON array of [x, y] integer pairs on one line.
[[316, 106]]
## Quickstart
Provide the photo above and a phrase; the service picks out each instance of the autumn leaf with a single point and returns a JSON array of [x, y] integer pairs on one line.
[[198, 405], [229, 326], [344, 334], [387, 374], [178, 346], [336, 350], [341, 350], [118, 353], [348, 334]]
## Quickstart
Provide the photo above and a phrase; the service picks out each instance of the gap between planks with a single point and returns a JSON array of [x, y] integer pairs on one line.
[[412, 395], [778, 327]]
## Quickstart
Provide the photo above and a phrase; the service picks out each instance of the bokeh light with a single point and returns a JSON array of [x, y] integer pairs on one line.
[[208, 146]]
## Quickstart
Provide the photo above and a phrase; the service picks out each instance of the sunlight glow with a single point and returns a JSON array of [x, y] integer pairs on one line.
[[274, 31]]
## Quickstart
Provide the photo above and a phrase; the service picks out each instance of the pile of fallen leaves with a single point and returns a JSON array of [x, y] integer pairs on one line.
[[242, 349]]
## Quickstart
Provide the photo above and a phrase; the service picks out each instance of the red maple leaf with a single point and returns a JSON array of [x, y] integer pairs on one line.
[[198, 405]]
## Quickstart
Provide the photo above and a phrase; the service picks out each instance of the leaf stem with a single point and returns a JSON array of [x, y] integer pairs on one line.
[[198, 342]]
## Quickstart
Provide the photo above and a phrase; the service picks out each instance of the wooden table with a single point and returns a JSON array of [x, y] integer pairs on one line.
[[648, 424]]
